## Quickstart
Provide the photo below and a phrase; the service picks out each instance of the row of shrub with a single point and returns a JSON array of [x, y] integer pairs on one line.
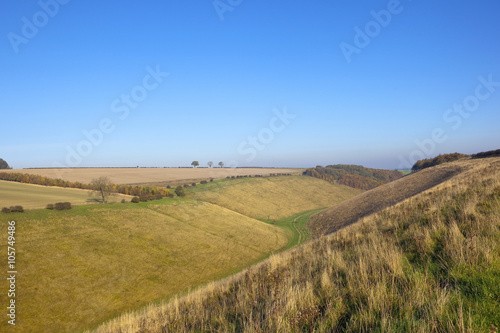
[[259, 176], [13, 209], [145, 198], [59, 206]]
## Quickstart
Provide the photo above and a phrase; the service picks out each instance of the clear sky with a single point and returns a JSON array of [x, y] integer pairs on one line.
[[250, 83]]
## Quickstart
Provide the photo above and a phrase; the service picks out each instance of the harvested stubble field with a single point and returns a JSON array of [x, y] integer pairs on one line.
[[134, 176], [35, 196]]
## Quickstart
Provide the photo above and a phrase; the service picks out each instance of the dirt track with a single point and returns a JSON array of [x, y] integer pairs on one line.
[[367, 203]]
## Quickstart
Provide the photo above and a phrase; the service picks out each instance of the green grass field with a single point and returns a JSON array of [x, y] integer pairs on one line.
[[35, 196]]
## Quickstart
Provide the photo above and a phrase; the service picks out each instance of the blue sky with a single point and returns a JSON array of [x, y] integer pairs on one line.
[[250, 83]]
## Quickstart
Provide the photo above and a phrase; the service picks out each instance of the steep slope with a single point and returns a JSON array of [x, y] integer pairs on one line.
[[381, 197], [428, 264]]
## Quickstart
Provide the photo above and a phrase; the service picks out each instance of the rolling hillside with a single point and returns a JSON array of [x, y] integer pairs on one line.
[[428, 264], [274, 197]]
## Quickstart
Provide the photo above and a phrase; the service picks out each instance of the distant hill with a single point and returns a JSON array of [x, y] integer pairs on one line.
[[355, 176]]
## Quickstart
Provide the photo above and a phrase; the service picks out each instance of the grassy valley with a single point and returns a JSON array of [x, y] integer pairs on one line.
[[79, 267], [428, 264]]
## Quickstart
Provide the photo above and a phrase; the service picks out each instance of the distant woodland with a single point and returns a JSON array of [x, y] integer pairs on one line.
[[355, 176]]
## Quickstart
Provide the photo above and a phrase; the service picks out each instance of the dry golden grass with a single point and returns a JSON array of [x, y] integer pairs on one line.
[[429, 264], [80, 267], [274, 197], [35, 196], [148, 175], [381, 197]]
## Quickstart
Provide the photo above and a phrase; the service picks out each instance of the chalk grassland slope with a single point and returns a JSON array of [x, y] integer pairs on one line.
[[77, 268], [350, 211], [148, 175], [274, 197], [33, 196], [428, 264]]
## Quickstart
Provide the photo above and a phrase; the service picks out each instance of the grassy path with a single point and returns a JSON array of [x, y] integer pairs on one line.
[[295, 227]]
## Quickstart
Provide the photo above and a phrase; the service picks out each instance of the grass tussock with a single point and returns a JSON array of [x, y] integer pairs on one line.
[[428, 264]]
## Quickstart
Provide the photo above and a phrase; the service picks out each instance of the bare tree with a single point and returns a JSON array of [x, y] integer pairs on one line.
[[221, 164], [102, 187], [210, 164]]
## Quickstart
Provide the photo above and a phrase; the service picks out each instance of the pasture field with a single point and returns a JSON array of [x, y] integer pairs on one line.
[[149, 175], [272, 198], [77, 268], [34, 196]]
